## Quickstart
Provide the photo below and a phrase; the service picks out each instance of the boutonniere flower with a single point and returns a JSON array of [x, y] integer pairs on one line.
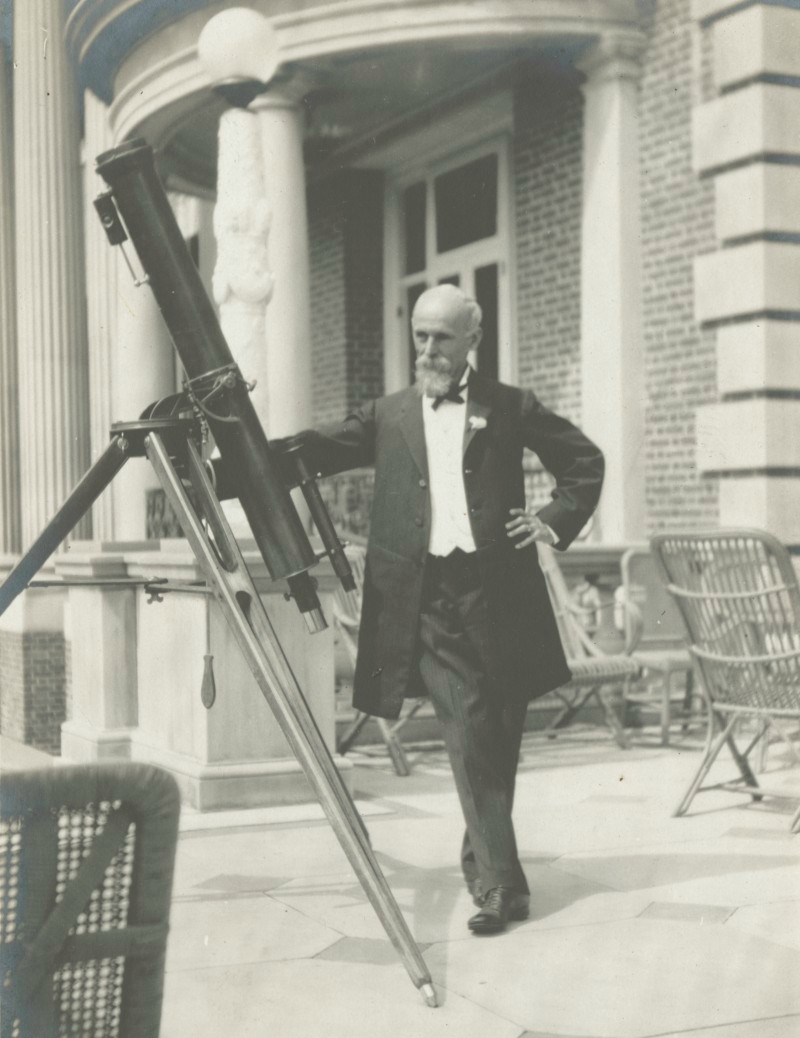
[[476, 422]]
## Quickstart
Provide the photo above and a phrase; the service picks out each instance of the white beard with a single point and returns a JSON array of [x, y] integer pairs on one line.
[[433, 381]]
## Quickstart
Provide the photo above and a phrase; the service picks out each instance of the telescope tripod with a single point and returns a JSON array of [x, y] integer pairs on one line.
[[163, 441]]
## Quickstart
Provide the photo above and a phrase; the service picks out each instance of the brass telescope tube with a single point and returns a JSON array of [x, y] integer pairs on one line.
[[129, 170]]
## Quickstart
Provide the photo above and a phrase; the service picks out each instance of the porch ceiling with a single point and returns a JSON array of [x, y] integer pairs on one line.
[[358, 100]]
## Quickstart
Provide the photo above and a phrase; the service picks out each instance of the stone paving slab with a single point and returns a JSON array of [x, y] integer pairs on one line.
[[642, 925]]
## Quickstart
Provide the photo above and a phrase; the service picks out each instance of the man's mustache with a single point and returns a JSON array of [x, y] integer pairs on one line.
[[437, 364]]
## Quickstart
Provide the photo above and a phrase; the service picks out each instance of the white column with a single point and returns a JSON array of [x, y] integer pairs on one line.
[[51, 324], [101, 300], [240, 46], [242, 280], [612, 353], [142, 371], [288, 319], [10, 525]]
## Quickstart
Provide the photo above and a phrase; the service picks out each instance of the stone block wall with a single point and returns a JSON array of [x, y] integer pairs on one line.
[[746, 147]]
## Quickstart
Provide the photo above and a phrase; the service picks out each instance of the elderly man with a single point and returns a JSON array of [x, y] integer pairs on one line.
[[454, 601]]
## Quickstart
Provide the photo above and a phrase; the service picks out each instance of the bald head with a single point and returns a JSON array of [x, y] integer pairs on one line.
[[452, 301], [446, 325]]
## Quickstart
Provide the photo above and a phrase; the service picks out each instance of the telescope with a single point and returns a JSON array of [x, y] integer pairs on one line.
[[215, 387], [170, 434]]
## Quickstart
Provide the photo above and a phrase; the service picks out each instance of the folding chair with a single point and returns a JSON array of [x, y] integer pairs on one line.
[[86, 863], [738, 593], [347, 617], [592, 669]]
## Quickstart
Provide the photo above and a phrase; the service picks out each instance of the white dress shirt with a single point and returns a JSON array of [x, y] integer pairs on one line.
[[444, 442]]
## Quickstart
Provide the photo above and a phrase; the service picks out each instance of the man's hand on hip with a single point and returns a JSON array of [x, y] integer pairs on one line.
[[529, 527]]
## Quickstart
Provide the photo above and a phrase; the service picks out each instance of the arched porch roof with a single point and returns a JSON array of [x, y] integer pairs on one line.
[[368, 63]]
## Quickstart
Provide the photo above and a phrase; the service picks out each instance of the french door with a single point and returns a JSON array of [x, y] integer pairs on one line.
[[448, 222]]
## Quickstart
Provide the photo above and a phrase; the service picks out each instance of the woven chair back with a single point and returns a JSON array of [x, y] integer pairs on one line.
[[737, 591], [86, 864]]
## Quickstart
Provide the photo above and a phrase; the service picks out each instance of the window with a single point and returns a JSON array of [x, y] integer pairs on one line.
[[448, 223]]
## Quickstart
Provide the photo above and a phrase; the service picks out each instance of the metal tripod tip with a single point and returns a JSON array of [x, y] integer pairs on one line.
[[429, 995]]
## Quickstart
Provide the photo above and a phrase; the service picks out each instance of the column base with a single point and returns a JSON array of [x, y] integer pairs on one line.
[[82, 743], [213, 787]]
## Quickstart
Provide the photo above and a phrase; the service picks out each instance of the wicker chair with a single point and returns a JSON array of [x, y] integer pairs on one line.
[[592, 669], [86, 864], [653, 621], [738, 593]]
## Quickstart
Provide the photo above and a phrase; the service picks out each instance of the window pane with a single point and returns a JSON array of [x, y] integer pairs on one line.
[[486, 295], [466, 203], [413, 292], [451, 279], [414, 210]]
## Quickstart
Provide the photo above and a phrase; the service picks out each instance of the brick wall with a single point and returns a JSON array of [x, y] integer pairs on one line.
[[12, 684], [346, 255], [677, 225], [364, 285], [547, 177], [346, 248], [326, 219], [33, 688]]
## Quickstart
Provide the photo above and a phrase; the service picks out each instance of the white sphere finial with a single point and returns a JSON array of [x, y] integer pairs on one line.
[[238, 44]]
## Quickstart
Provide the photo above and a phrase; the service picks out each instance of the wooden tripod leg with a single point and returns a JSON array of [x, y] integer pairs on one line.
[[237, 597], [66, 518]]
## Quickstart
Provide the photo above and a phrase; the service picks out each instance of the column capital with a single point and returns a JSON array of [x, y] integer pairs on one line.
[[616, 55], [285, 90]]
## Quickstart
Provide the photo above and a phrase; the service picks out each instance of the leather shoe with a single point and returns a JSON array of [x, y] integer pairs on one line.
[[501, 905]]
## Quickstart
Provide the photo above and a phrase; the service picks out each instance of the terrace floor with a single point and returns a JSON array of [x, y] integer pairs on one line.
[[641, 924]]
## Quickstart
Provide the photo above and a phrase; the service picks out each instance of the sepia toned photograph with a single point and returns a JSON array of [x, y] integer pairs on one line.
[[400, 518]]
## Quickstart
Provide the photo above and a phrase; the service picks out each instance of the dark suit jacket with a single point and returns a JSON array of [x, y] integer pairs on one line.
[[528, 659]]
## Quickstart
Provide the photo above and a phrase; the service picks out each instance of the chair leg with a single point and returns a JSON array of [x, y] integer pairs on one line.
[[611, 719], [688, 699], [742, 762], [568, 711], [416, 704], [710, 754], [666, 693], [349, 736], [395, 748]]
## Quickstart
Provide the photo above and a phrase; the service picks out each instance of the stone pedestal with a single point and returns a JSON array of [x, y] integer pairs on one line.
[[137, 674], [101, 632]]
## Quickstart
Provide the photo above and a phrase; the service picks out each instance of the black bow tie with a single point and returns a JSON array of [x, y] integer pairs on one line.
[[453, 394]]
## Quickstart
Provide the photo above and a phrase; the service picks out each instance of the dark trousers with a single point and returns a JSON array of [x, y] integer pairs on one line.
[[482, 723]]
